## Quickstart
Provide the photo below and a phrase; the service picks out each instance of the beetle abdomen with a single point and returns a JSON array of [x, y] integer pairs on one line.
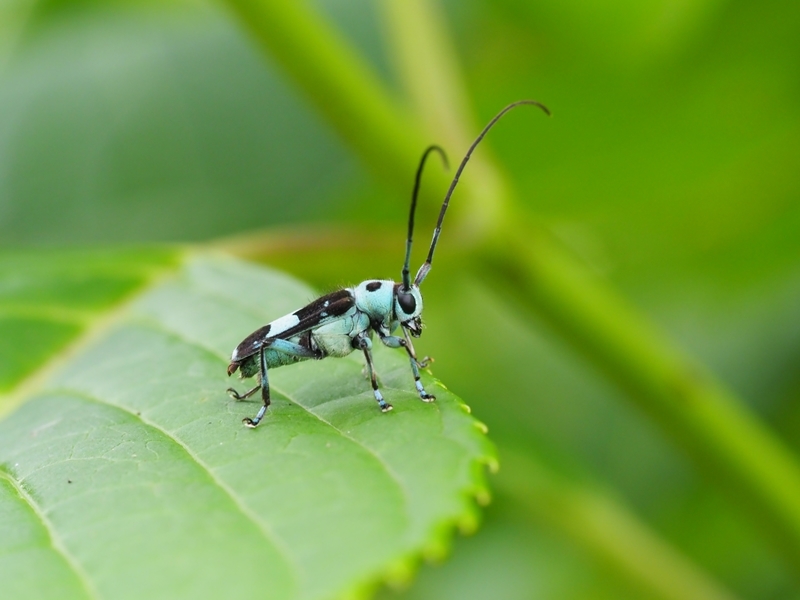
[[247, 366]]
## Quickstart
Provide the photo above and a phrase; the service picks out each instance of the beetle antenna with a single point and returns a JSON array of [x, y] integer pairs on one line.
[[428, 150], [426, 266]]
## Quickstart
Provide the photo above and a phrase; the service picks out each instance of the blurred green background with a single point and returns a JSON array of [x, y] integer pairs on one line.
[[669, 168]]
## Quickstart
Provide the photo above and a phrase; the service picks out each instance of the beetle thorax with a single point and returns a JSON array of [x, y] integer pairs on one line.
[[375, 298]]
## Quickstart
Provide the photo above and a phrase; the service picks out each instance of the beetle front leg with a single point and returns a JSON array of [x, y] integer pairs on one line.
[[393, 341], [363, 343], [422, 364]]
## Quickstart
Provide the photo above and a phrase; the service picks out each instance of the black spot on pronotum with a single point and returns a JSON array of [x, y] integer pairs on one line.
[[374, 286]]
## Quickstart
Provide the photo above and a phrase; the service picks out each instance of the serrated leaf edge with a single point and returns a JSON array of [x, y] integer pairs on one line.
[[398, 573]]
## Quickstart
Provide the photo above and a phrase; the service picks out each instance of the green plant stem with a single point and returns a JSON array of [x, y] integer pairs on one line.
[[338, 82], [707, 419], [14, 18], [682, 396], [426, 61], [598, 523]]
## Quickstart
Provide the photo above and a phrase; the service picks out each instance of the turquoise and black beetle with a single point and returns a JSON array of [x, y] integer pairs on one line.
[[347, 319]]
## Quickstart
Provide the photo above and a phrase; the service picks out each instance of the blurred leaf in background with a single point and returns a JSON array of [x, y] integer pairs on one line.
[[669, 168], [139, 123]]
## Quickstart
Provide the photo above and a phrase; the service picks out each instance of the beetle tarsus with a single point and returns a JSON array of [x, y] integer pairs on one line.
[[425, 362], [252, 423], [237, 396]]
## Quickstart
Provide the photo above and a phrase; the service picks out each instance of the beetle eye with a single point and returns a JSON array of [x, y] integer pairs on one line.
[[407, 303]]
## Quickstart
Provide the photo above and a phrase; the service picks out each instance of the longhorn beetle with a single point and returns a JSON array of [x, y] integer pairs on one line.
[[345, 320]]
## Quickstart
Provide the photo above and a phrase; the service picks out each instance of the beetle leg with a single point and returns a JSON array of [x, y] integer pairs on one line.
[[262, 363], [422, 364], [279, 345], [393, 341], [363, 343], [237, 396]]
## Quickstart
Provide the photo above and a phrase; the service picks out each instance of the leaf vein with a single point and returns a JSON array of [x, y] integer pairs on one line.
[[55, 540], [163, 328], [269, 535], [384, 465]]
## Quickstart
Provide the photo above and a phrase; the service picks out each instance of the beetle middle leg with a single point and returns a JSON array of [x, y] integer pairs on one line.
[[363, 343]]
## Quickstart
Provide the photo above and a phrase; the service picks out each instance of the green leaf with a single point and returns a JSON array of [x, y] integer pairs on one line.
[[125, 471]]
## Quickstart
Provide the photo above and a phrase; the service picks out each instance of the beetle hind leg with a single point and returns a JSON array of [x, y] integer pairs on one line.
[[264, 385], [237, 396], [285, 347]]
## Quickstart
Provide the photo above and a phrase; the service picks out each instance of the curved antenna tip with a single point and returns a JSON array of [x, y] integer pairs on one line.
[[426, 266], [544, 109]]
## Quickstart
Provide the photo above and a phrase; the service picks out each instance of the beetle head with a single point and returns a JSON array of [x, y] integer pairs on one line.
[[408, 307]]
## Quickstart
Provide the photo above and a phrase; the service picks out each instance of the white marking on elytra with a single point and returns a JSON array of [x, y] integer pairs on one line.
[[285, 322]]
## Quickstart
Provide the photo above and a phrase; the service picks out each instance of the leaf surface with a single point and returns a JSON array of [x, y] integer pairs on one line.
[[125, 471]]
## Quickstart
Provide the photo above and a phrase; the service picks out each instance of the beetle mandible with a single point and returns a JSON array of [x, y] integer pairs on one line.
[[345, 320]]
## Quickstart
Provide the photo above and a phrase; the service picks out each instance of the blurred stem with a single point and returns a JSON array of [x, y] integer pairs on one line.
[[427, 63], [682, 396], [14, 17], [598, 523], [338, 82]]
